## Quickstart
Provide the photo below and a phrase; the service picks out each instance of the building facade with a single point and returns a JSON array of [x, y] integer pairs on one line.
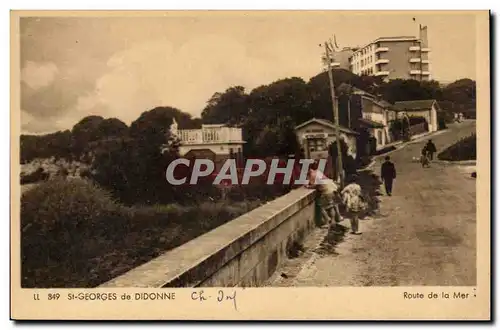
[[315, 137], [404, 57], [375, 117], [342, 58], [215, 142], [420, 108]]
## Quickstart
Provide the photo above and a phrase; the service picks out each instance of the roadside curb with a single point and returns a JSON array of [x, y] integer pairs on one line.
[[426, 136], [457, 163], [367, 167]]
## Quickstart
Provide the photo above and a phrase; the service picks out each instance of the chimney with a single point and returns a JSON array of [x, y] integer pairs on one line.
[[423, 36]]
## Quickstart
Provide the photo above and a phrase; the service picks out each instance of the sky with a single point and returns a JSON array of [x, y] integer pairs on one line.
[[72, 67]]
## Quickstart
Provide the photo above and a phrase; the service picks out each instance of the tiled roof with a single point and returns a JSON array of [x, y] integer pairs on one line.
[[326, 123], [413, 105]]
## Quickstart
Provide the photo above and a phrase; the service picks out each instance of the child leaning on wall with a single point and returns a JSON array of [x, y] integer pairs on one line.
[[329, 196]]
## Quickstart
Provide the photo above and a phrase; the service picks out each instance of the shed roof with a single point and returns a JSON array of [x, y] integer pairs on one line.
[[414, 105], [370, 123]]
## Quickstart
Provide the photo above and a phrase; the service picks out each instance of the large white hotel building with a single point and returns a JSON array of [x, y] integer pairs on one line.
[[389, 57]]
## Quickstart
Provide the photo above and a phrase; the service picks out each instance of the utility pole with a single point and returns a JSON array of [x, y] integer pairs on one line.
[[335, 114]]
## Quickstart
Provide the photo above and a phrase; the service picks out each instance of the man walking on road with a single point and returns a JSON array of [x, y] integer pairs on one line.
[[431, 149], [388, 174]]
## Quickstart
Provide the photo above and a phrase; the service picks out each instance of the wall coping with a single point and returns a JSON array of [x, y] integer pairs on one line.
[[193, 262]]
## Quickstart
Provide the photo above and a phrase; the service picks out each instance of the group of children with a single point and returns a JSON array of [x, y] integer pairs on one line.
[[332, 196], [427, 154]]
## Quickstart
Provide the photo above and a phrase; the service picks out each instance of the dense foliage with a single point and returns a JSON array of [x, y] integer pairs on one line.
[[75, 235]]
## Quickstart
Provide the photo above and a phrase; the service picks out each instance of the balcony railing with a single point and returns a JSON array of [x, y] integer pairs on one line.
[[207, 135], [426, 49], [414, 71], [381, 49], [414, 48], [414, 60], [382, 73], [382, 61]]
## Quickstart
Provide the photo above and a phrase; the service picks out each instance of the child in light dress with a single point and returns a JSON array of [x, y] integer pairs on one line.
[[354, 204]]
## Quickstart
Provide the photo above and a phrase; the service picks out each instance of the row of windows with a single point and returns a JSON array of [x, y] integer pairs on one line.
[[369, 60], [365, 51], [367, 71]]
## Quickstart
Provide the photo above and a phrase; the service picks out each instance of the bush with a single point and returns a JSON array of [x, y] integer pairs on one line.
[[464, 149], [75, 235], [64, 203], [37, 176]]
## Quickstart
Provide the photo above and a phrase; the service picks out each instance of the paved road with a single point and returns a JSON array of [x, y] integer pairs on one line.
[[425, 234]]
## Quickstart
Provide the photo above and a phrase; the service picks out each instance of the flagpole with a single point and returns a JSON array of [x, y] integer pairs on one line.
[[336, 116]]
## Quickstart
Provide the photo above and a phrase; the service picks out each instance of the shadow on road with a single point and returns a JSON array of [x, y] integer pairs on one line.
[[370, 185]]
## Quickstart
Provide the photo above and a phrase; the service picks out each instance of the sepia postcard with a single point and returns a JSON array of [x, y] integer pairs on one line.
[[250, 165]]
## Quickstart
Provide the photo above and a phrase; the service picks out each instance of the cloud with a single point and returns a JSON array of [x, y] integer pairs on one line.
[[32, 125], [155, 73], [38, 75]]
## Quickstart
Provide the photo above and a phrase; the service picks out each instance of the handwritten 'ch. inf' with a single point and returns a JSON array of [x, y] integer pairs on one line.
[[219, 298]]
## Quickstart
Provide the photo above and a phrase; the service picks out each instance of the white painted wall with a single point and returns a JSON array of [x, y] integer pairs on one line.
[[318, 128]]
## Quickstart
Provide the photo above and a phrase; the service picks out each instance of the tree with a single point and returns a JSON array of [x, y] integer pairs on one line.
[[133, 167], [461, 94], [404, 90], [226, 108], [288, 97], [57, 145], [344, 81], [112, 127], [84, 132], [273, 112]]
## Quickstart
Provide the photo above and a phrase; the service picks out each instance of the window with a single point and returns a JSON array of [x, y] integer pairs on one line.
[[317, 145]]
